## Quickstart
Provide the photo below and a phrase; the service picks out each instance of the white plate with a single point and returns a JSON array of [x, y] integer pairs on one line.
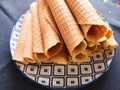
[[63, 76]]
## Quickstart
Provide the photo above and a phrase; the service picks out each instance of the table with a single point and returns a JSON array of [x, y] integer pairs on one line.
[[11, 79]]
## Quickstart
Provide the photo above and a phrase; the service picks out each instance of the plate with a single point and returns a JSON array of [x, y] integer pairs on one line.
[[63, 76]]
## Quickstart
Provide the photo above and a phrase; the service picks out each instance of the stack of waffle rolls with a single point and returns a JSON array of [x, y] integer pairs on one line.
[[62, 31]]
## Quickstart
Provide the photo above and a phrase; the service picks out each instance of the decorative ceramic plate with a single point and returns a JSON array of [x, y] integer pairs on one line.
[[63, 76]]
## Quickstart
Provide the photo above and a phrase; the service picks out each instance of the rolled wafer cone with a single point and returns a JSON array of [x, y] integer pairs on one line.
[[23, 51], [71, 33], [110, 43], [92, 48], [28, 55], [61, 57], [51, 39], [38, 47], [89, 51], [81, 57], [93, 27], [109, 34]]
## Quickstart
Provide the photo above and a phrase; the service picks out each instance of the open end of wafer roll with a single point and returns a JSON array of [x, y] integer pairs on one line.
[[79, 58], [95, 33], [94, 48], [61, 57], [54, 49], [79, 48], [110, 43], [40, 57]]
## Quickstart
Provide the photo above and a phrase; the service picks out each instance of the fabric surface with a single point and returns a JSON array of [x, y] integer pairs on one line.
[[12, 79]]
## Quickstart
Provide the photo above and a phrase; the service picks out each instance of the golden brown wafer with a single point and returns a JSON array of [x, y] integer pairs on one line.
[[80, 58], [23, 51], [93, 27], [61, 58], [28, 55], [110, 43], [37, 41], [71, 33], [51, 39], [93, 48]]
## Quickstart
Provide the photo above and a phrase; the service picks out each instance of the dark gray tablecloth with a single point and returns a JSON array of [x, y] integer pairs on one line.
[[11, 79]]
